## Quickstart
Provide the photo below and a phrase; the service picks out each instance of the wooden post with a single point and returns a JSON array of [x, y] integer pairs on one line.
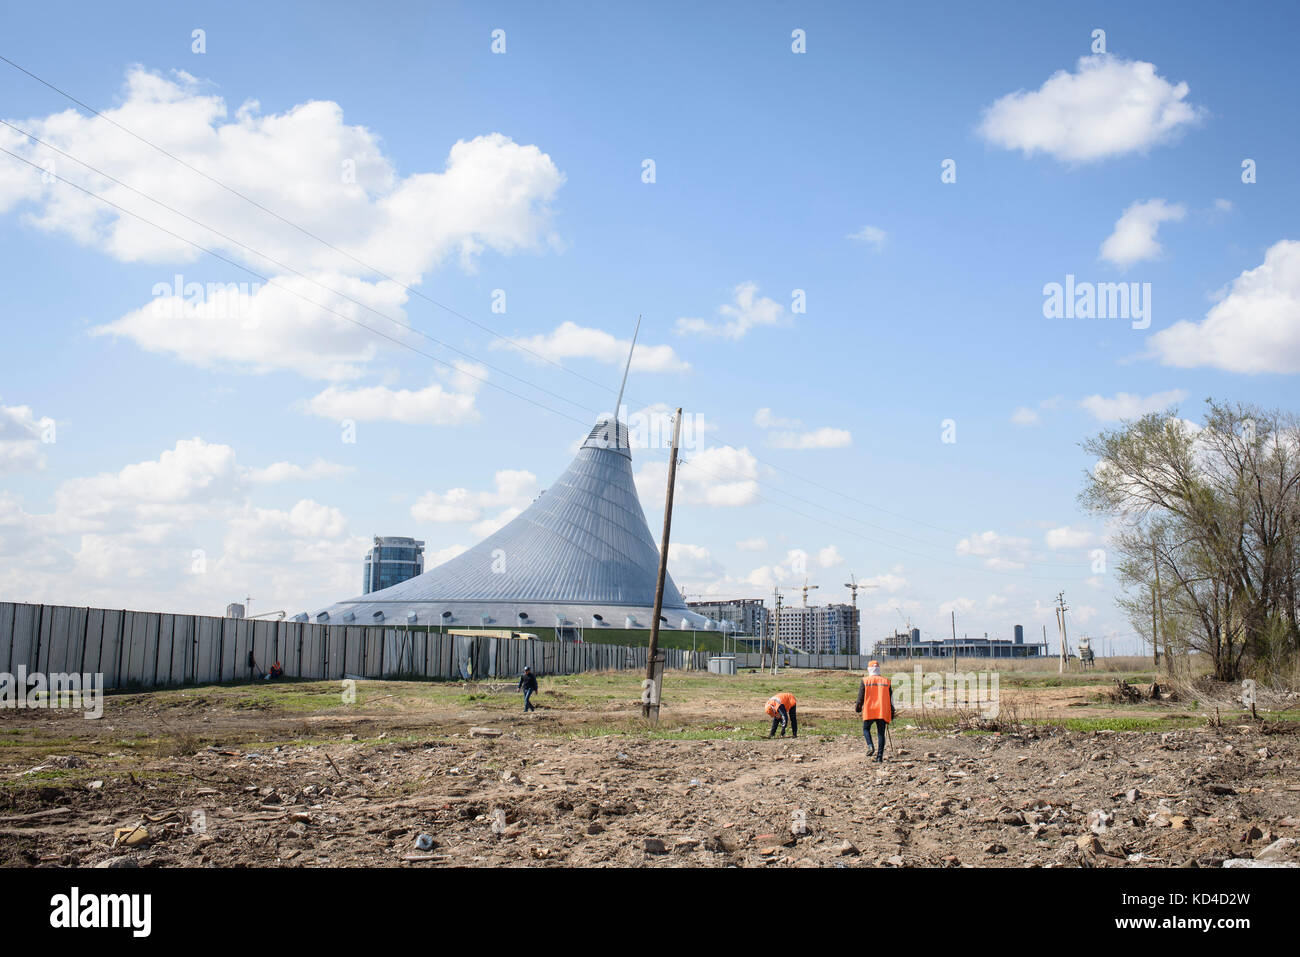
[[654, 672], [1159, 604]]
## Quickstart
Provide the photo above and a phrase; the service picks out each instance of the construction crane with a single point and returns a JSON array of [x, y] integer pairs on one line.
[[806, 589], [853, 586]]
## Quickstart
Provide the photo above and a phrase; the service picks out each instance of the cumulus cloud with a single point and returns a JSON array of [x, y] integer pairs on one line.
[[1254, 327], [747, 311], [792, 436], [719, 476], [292, 472], [313, 169], [1108, 107], [822, 438], [178, 533], [752, 544], [435, 404], [829, 557], [1024, 416], [1126, 405], [22, 439], [513, 490], [888, 582], [1000, 552], [569, 340], [1134, 237]]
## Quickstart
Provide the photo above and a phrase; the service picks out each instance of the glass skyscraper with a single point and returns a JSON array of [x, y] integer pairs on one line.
[[392, 560]]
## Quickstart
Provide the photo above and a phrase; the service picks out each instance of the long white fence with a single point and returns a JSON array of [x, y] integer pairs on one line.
[[828, 662], [141, 649]]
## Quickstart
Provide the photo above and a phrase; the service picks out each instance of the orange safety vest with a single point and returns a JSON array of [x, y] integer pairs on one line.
[[876, 703], [774, 703]]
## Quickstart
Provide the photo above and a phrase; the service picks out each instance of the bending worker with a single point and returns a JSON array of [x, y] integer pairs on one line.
[[781, 709], [876, 707]]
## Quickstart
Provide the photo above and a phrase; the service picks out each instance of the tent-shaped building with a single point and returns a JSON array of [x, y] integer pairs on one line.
[[580, 556]]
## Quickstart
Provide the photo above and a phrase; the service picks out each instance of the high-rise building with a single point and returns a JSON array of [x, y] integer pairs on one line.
[[748, 616], [393, 560], [820, 629]]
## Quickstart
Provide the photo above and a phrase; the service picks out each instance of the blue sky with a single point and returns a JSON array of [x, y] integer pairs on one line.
[[199, 459]]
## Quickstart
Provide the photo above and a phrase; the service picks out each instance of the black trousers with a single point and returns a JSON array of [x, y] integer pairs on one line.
[[779, 721], [880, 729]]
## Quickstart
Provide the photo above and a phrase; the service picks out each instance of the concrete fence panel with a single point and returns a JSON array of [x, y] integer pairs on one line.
[[26, 637], [7, 610]]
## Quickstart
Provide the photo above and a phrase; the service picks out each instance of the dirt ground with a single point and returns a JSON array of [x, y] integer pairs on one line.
[[292, 775]]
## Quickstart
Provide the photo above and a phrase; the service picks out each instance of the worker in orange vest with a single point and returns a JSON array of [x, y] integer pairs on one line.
[[781, 709], [876, 707]]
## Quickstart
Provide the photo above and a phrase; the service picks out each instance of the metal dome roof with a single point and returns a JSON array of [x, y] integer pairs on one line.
[[581, 549]]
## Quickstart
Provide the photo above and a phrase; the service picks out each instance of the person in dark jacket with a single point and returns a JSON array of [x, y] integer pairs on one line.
[[528, 684]]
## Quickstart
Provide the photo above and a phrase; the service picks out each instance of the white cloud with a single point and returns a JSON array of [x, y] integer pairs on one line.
[[872, 236], [823, 438], [752, 544], [721, 477], [1068, 536], [514, 491], [691, 565], [791, 437], [569, 340], [1000, 552], [178, 533], [1024, 416], [492, 193], [269, 327], [1134, 237], [312, 169], [1108, 107], [1254, 328], [829, 557], [963, 605], [764, 419], [888, 582], [748, 311], [432, 405], [22, 437], [1125, 405], [291, 472]]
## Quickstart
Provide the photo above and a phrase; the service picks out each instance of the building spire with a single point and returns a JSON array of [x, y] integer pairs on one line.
[[622, 385]]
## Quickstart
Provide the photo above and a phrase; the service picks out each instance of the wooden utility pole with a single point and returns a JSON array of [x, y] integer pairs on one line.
[[654, 669]]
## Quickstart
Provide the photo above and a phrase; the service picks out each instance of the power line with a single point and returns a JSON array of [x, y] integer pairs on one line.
[[282, 265], [292, 224], [270, 282], [415, 292]]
